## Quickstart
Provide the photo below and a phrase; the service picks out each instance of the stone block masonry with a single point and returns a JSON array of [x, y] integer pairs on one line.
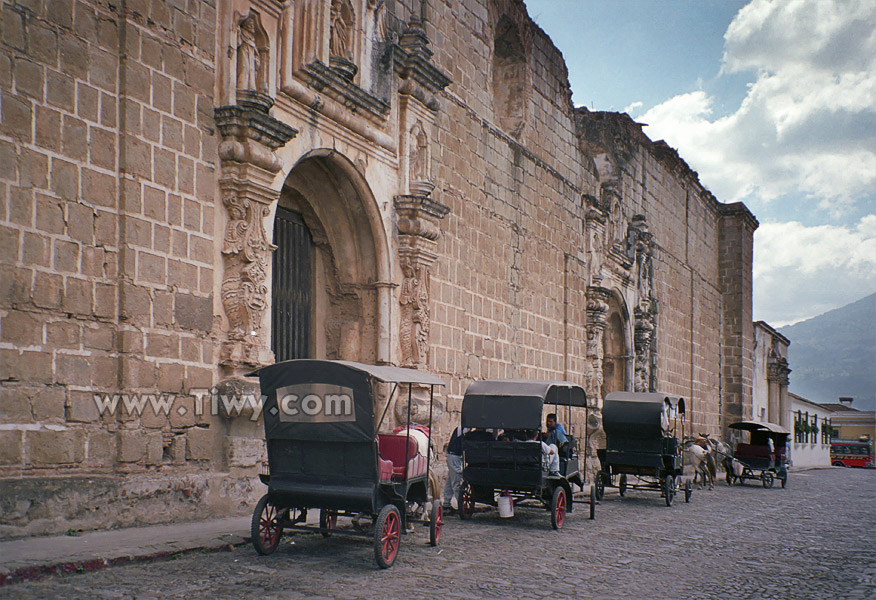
[[107, 172]]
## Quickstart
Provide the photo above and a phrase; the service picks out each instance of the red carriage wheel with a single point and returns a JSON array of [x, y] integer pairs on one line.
[[558, 507], [466, 501], [328, 519], [387, 536], [265, 528], [436, 521]]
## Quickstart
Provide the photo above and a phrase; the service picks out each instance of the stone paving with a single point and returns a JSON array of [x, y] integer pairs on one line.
[[815, 539]]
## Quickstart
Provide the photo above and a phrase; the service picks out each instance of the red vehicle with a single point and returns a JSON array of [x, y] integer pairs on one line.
[[847, 453]]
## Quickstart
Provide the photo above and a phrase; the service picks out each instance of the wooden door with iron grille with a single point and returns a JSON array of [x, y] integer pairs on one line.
[[292, 293]]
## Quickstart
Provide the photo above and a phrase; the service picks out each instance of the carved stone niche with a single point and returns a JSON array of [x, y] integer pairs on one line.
[[418, 232], [248, 164]]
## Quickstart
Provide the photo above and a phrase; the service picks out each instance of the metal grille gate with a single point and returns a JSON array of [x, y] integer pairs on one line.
[[291, 296]]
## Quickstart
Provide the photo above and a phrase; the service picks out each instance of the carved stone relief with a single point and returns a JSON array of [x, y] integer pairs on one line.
[[597, 313], [415, 322]]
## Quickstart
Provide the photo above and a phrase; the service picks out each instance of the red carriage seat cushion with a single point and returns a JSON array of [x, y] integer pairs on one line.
[[392, 448], [744, 451]]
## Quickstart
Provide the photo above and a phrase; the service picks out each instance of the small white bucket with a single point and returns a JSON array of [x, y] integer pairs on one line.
[[506, 506]]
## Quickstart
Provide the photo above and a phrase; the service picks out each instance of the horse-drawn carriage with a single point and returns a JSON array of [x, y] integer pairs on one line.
[[324, 453], [512, 467], [640, 439], [764, 457]]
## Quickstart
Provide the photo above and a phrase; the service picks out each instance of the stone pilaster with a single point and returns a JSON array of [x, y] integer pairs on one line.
[[645, 313], [418, 231], [248, 165]]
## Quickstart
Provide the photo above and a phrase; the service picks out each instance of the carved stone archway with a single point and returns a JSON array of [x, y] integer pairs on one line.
[[351, 259]]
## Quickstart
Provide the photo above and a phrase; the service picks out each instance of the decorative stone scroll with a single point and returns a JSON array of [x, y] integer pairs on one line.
[[418, 228], [248, 164]]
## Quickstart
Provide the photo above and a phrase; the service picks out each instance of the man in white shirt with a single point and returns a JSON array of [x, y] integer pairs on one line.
[[550, 458]]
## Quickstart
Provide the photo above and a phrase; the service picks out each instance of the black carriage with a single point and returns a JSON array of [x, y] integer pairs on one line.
[[642, 451], [324, 453], [510, 467], [764, 457]]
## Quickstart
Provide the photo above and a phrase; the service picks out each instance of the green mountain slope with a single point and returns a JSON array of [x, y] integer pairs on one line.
[[834, 355]]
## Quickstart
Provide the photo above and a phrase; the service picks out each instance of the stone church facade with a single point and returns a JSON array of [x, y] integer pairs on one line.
[[192, 189]]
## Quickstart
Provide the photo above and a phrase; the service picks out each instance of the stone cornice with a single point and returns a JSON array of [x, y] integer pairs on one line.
[[412, 59], [249, 119], [738, 210], [249, 133], [328, 81]]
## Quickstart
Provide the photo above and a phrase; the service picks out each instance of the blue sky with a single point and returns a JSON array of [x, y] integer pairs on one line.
[[772, 102]]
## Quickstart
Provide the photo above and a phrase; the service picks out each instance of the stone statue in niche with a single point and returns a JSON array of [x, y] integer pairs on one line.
[[248, 59], [419, 154], [342, 19], [415, 322], [341, 29]]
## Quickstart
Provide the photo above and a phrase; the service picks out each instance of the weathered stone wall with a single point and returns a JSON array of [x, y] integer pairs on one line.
[[466, 219]]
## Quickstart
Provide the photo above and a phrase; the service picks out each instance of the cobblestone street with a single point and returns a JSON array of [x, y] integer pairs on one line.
[[815, 539]]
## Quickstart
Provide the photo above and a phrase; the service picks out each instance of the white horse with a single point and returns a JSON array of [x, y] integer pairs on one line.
[[700, 451]]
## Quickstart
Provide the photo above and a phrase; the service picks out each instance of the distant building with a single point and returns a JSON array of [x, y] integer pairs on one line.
[[770, 402], [812, 424], [850, 423]]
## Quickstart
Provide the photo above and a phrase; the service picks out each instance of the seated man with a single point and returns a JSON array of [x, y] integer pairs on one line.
[[556, 433], [550, 458]]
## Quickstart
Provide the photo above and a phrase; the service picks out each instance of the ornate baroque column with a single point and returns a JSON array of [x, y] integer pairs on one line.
[[597, 313], [418, 231], [248, 165]]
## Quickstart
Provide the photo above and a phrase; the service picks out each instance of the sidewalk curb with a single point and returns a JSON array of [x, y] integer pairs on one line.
[[33, 572]]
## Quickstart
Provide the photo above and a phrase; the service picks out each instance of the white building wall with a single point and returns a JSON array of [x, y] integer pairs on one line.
[[815, 452]]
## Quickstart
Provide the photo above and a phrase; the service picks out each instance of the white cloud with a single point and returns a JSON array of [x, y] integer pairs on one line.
[[633, 107], [807, 126], [800, 272]]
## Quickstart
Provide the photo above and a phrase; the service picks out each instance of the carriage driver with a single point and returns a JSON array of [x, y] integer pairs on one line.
[[556, 433]]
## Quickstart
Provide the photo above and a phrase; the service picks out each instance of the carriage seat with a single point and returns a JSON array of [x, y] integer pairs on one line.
[[392, 450], [753, 451]]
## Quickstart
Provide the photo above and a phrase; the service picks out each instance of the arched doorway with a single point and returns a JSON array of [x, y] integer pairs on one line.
[[330, 258], [615, 349]]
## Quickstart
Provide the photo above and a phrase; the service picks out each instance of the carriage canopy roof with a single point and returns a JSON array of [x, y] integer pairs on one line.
[[755, 426], [641, 415], [326, 399], [516, 403]]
